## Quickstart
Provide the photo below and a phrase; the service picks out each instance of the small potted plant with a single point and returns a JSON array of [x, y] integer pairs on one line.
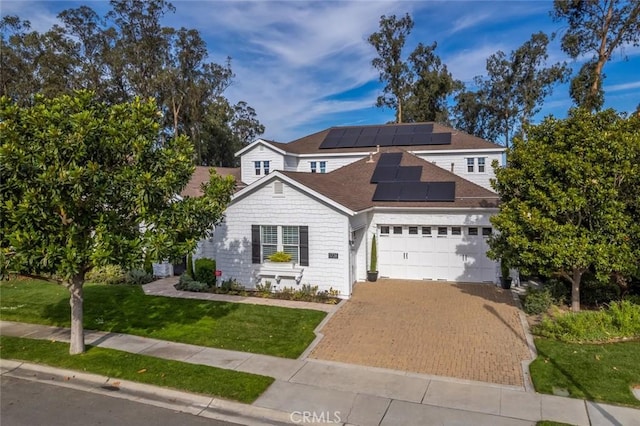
[[372, 273], [280, 257], [505, 279]]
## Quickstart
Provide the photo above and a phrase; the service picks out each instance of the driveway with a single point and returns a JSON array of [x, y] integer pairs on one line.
[[467, 331]]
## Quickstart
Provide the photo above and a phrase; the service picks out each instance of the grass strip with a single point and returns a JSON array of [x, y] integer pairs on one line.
[[269, 330], [602, 373], [202, 379]]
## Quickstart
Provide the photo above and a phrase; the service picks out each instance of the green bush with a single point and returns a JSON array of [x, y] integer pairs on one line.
[[230, 286], [280, 256], [560, 290], [597, 293], [109, 274], [190, 265], [186, 283], [537, 301], [265, 289], [138, 276], [620, 320], [205, 271]]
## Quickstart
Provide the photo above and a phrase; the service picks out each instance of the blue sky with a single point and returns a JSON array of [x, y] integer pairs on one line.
[[305, 66]]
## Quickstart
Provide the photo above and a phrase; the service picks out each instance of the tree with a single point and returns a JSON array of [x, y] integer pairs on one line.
[[394, 71], [86, 184], [569, 199], [597, 28], [245, 124], [514, 88]]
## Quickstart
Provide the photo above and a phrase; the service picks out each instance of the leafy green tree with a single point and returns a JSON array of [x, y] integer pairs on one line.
[[597, 28], [569, 199], [85, 184], [416, 87], [513, 90]]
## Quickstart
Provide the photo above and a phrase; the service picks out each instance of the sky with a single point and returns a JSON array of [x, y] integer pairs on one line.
[[306, 65]]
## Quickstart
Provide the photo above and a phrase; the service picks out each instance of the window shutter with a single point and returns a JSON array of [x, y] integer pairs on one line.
[[304, 246], [255, 244]]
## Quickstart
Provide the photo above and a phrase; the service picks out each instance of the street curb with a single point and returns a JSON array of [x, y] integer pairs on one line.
[[185, 402], [528, 382], [318, 331]]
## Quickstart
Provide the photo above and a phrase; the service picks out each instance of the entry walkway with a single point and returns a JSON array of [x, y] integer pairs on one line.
[[349, 394]]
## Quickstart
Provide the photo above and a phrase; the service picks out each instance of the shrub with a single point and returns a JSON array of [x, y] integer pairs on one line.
[[373, 267], [109, 274], [186, 283], [205, 271], [230, 285], [280, 256], [560, 290], [537, 301], [597, 293], [138, 276], [620, 320], [265, 289], [190, 265]]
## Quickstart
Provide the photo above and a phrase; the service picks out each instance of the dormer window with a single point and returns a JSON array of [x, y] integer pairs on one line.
[[313, 167], [265, 166], [323, 167], [261, 167], [257, 167]]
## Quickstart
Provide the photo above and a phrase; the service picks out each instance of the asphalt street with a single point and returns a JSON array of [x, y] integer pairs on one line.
[[29, 403]]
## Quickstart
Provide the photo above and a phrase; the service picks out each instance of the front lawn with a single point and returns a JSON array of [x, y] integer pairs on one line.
[[598, 372], [236, 385], [260, 329]]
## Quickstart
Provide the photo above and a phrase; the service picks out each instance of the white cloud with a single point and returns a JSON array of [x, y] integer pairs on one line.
[[622, 87]]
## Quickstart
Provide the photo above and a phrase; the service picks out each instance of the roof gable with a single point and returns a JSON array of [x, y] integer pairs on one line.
[[274, 146]]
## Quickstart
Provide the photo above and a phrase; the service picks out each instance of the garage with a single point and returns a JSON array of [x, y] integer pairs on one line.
[[428, 252]]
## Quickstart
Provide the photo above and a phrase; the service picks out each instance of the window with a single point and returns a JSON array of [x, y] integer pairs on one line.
[[486, 231], [456, 230], [384, 230], [426, 230], [413, 230], [265, 166], [257, 167], [481, 165], [397, 230], [269, 239], [470, 165], [473, 231], [313, 167], [290, 242], [323, 167], [442, 230]]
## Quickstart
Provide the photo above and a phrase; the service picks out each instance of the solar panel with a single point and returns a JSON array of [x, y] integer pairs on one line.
[[387, 130], [348, 141], [441, 139], [365, 140], [442, 191], [370, 131], [335, 133], [409, 173], [384, 174], [387, 191], [423, 128], [353, 132], [330, 143], [414, 191], [404, 130], [401, 140], [390, 159], [384, 140]]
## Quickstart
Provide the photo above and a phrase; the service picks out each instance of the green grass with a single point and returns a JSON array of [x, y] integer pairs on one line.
[[602, 373], [229, 384], [269, 330]]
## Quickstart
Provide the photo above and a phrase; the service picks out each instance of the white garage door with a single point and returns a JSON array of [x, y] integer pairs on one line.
[[451, 253]]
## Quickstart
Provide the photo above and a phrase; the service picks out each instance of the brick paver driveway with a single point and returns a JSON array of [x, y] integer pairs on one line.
[[468, 331]]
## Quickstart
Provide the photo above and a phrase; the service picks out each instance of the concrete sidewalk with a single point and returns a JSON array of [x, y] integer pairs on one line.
[[341, 393]]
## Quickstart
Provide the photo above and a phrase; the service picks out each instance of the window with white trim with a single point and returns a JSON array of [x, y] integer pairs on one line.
[[486, 232], [265, 166], [384, 230], [442, 230], [473, 231], [313, 167], [323, 167], [413, 230], [274, 238], [426, 230], [481, 164], [456, 230], [397, 230], [471, 166], [256, 165]]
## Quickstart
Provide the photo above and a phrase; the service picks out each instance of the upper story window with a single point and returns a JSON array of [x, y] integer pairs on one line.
[[323, 167], [481, 162], [262, 167], [314, 167], [256, 164], [265, 167], [471, 166]]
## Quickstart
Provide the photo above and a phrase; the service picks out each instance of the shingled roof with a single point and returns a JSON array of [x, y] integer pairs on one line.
[[201, 175], [351, 185], [459, 141]]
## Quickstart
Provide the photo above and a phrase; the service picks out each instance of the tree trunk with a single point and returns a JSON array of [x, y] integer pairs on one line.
[[575, 290], [399, 118], [76, 300]]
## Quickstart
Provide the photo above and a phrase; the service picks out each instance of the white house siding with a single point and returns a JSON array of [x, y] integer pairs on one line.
[[333, 162], [462, 244], [290, 163], [459, 161], [259, 153], [359, 226], [328, 233]]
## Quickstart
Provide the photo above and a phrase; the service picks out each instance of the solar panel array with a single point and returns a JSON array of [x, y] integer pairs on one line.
[[402, 183], [371, 136]]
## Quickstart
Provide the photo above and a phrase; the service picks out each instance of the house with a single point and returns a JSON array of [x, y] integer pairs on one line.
[[422, 189]]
